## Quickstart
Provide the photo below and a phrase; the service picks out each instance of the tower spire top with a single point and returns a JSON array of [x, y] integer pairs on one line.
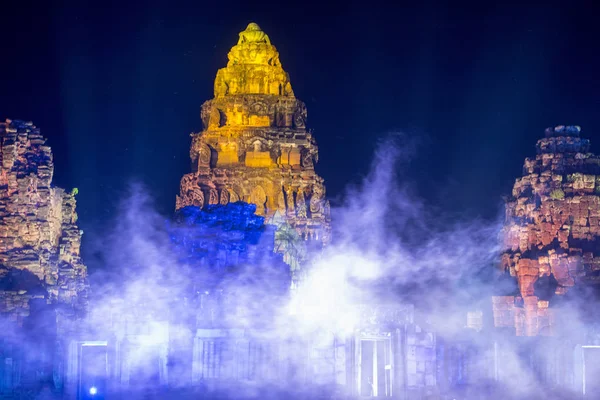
[[253, 33], [253, 67]]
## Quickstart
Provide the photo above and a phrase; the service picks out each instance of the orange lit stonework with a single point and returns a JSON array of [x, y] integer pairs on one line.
[[255, 146], [551, 232]]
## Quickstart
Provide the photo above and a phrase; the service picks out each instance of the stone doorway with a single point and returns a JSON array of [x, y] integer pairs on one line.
[[374, 367], [591, 371], [93, 371]]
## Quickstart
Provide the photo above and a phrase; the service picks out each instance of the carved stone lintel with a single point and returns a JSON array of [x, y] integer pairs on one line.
[[213, 197], [188, 182], [224, 198], [300, 117], [307, 160], [233, 196], [191, 194], [196, 197], [316, 200], [204, 154]]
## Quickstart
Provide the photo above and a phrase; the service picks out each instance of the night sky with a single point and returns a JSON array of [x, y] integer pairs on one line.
[[117, 88]]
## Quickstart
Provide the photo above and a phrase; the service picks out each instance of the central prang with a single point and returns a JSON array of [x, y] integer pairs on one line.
[[255, 146]]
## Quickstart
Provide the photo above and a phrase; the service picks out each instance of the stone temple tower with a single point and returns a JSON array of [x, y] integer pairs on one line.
[[255, 146], [552, 232]]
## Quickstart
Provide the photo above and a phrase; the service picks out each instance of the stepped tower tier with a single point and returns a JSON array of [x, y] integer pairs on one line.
[[255, 146]]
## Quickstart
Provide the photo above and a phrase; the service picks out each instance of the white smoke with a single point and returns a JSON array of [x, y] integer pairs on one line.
[[387, 248]]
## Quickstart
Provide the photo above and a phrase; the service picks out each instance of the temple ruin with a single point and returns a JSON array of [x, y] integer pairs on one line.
[[552, 231], [255, 146], [210, 318], [43, 281]]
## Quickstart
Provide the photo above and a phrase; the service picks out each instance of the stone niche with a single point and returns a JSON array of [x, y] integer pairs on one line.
[[289, 157], [294, 157], [228, 154], [258, 159]]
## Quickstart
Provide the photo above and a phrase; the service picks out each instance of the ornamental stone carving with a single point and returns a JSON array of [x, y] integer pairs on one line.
[[255, 140], [224, 197], [213, 196], [316, 200]]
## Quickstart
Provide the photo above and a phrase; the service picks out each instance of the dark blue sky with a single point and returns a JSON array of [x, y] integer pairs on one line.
[[117, 87]]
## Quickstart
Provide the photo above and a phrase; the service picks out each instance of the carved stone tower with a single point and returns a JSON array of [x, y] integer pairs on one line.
[[255, 146]]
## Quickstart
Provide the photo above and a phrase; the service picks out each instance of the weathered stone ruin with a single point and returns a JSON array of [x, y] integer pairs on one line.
[[43, 287], [552, 231], [39, 237], [255, 146]]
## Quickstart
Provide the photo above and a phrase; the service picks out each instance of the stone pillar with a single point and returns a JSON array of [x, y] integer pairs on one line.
[[72, 370], [399, 356], [530, 305], [339, 355], [58, 364]]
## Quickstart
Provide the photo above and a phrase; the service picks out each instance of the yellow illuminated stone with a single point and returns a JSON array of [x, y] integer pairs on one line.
[[253, 33], [253, 67], [255, 146], [258, 159]]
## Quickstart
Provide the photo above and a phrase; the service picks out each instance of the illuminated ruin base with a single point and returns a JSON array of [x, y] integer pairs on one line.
[[195, 342], [403, 362]]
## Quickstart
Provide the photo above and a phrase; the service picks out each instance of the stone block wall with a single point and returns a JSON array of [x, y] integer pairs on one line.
[[39, 237], [552, 230]]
